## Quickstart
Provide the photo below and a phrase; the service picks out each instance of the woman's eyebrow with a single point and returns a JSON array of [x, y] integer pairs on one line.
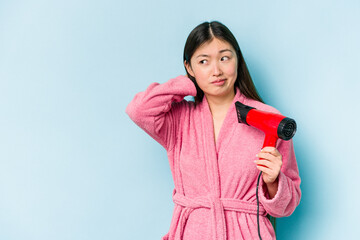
[[202, 55], [221, 51]]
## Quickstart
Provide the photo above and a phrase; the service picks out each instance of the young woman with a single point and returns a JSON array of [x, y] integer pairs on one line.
[[214, 160]]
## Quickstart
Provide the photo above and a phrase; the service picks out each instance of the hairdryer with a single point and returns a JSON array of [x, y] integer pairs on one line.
[[274, 126]]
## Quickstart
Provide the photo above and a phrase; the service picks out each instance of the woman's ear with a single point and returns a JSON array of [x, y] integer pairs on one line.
[[188, 68]]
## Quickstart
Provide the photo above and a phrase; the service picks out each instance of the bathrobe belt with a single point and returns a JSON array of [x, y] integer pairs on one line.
[[217, 207]]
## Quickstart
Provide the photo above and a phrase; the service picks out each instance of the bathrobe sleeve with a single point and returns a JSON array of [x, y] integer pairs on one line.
[[157, 109], [288, 195]]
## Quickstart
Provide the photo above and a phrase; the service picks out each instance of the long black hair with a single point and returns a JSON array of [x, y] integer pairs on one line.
[[207, 31]]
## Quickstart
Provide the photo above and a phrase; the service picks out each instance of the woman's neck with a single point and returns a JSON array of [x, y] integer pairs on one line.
[[220, 105]]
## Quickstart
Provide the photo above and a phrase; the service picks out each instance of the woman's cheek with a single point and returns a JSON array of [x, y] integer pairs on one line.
[[231, 70], [201, 77]]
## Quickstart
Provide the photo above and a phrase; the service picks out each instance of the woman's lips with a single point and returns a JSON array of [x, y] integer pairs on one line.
[[219, 82]]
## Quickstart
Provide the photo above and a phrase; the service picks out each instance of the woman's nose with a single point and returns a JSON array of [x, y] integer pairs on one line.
[[217, 70]]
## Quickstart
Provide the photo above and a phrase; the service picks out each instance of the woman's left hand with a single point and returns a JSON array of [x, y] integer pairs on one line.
[[270, 163]]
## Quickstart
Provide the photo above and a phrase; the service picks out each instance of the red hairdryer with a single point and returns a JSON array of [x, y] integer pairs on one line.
[[274, 126]]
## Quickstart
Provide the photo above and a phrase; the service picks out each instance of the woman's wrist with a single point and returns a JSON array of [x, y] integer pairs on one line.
[[272, 188]]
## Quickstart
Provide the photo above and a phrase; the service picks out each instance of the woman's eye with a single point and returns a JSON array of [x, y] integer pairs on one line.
[[225, 58], [203, 61]]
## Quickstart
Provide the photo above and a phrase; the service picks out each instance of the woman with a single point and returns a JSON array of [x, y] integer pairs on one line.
[[214, 160]]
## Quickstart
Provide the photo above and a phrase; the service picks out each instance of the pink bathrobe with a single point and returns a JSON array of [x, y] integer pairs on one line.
[[215, 184]]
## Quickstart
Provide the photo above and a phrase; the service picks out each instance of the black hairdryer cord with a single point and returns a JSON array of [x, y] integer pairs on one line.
[[257, 201]]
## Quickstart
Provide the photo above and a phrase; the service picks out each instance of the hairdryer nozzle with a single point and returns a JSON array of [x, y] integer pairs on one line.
[[287, 128], [242, 111]]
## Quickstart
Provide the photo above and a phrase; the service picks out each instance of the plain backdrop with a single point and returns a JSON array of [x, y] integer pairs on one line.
[[74, 166]]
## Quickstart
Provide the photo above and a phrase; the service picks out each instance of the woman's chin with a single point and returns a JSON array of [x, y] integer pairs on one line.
[[220, 93]]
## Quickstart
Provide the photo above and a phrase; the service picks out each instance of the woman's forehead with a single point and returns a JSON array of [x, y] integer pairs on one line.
[[214, 46]]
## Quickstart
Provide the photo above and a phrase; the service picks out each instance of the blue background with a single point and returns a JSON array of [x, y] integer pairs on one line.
[[74, 166]]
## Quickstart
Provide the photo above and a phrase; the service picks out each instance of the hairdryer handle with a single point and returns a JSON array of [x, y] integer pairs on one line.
[[270, 141]]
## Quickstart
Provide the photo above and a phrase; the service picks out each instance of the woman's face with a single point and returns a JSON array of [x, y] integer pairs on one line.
[[214, 66]]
